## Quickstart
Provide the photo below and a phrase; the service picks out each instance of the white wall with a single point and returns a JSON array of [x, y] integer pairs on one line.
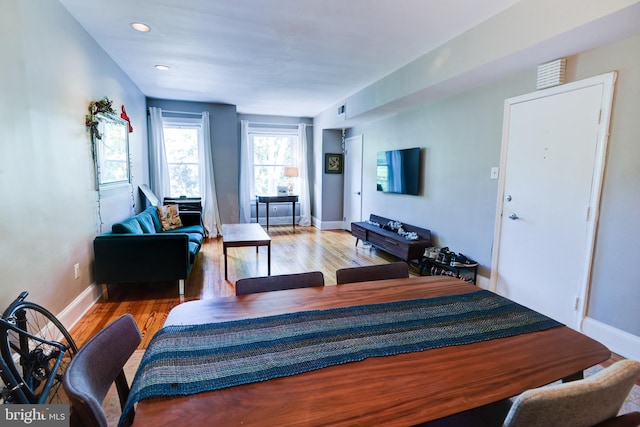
[[51, 70]]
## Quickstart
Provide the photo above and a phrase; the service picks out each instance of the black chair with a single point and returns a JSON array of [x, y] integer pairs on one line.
[[96, 366], [252, 285], [394, 270]]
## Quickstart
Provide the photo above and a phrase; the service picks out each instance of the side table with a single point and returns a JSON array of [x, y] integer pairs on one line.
[[277, 199]]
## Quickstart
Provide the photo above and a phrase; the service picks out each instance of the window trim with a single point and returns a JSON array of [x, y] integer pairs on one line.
[[188, 123], [270, 131]]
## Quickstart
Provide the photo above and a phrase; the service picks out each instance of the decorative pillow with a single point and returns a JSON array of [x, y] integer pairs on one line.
[[169, 217]]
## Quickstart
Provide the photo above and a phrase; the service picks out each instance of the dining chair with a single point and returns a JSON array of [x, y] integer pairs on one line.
[[252, 285], [96, 366], [593, 401], [393, 270]]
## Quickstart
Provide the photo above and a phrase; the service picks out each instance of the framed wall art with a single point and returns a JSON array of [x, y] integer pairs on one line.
[[333, 163]]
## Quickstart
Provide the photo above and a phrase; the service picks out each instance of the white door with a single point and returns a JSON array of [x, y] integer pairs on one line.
[[352, 181], [552, 160]]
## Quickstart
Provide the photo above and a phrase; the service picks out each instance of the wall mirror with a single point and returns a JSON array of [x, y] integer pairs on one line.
[[111, 151]]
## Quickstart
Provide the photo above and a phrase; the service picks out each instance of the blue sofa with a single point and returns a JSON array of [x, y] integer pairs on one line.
[[138, 250]]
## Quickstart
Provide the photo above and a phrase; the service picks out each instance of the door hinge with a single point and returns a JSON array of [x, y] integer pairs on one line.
[[587, 213], [576, 303], [599, 116]]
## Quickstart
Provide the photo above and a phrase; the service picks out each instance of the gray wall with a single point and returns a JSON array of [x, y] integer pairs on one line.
[[225, 150], [51, 70], [462, 136], [332, 188], [461, 139], [615, 289]]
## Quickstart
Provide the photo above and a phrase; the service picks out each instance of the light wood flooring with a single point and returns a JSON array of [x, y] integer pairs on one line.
[[306, 249]]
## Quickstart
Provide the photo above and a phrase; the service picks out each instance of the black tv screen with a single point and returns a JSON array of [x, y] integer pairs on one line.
[[398, 171]]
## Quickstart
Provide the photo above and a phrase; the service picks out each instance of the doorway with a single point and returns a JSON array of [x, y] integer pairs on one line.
[[352, 181], [553, 154]]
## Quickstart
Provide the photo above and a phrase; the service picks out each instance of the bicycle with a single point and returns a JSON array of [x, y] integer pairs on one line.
[[35, 350]]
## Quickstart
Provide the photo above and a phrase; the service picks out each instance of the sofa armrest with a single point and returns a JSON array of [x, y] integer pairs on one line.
[[126, 258]]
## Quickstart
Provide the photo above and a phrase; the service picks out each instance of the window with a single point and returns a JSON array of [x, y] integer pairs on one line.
[[181, 147], [272, 152]]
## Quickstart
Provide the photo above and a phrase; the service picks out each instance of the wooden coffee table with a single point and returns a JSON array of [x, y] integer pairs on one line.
[[240, 235]]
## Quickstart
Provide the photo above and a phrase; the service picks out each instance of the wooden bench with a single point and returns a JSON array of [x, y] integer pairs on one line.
[[389, 240]]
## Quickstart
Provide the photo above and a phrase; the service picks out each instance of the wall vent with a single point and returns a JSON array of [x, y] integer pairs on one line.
[[551, 74]]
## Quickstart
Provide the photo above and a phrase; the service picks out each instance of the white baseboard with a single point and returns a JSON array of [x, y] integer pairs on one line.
[[482, 282], [618, 341], [327, 225], [79, 306]]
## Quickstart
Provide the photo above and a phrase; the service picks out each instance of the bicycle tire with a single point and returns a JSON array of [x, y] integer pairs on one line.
[[31, 359]]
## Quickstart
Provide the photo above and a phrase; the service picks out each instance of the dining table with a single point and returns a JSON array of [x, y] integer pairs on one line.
[[401, 389]]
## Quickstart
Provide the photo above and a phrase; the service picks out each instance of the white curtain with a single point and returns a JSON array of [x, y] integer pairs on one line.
[[246, 172], [158, 168], [300, 157], [210, 214]]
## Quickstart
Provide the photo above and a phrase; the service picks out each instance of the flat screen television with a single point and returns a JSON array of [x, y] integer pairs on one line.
[[398, 171]]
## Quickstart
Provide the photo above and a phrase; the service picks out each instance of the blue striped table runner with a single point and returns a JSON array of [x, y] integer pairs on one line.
[[188, 359]]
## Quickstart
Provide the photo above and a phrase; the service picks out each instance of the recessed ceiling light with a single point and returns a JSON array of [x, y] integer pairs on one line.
[[139, 26], [162, 67]]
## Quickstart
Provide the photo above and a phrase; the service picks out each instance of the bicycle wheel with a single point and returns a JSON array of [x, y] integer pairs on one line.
[[34, 355]]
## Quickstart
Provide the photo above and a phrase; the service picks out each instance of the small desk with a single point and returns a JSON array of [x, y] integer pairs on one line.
[[239, 235], [185, 204], [277, 199], [402, 390]]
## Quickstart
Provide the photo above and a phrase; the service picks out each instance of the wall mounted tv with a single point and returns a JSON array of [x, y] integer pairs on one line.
[[398, 171]]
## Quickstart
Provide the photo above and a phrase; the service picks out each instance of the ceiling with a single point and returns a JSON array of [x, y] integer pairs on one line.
[[275, 57]]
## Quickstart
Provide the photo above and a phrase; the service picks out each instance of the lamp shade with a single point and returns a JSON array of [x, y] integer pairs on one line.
[[290, 171]]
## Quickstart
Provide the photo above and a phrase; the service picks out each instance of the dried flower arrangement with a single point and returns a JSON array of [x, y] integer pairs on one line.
[[100, 106]]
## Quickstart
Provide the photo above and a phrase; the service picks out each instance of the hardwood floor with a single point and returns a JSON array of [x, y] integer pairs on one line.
[[308, 249]]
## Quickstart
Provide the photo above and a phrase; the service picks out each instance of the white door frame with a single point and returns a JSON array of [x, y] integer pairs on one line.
[[347, 190], [608, 82]]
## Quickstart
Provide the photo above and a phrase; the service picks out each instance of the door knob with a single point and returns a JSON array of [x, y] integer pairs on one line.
[[513, 216], [357, 192]]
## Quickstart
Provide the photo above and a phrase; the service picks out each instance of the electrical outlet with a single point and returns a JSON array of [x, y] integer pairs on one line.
[[76, 271]]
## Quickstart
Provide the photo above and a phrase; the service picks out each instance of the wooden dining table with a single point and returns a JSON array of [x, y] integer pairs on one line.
[[398, 390]]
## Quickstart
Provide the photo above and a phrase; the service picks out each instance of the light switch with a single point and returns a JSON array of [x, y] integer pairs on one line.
[[494, 172]]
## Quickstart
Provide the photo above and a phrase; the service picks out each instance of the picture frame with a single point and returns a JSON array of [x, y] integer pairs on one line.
[[333, 163]]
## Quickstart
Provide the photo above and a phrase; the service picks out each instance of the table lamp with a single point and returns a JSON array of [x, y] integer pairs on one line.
[[290, 172]]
